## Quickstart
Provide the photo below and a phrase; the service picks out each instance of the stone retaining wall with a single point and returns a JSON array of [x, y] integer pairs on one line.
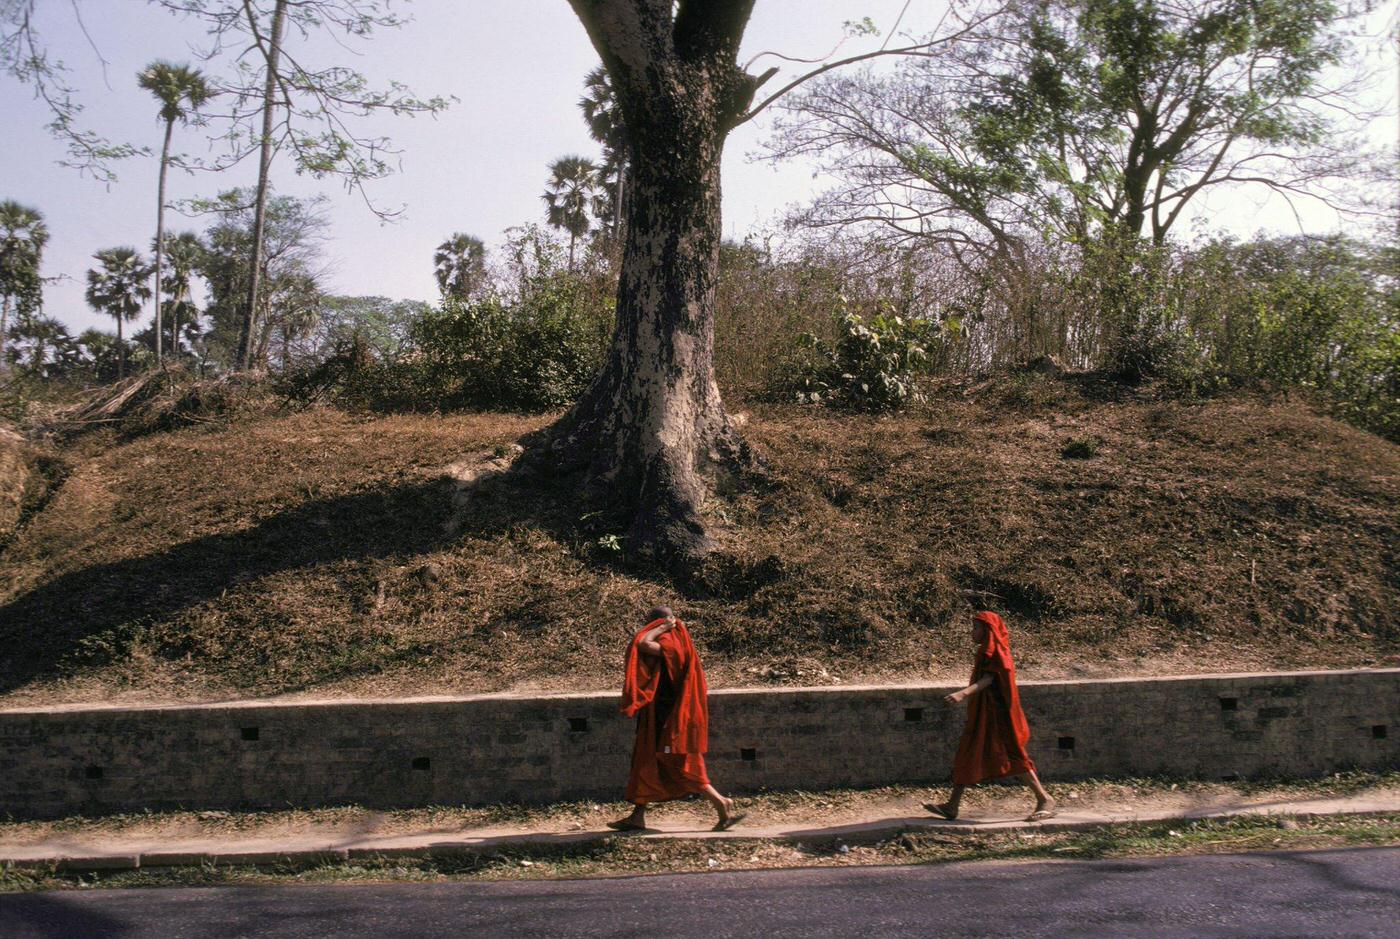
[[492, 748]]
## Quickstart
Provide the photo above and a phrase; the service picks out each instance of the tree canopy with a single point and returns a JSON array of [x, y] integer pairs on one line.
[[1081, 117]]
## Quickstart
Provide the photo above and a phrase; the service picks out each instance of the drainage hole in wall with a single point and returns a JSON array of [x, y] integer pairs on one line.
[[1229, 704], [1066, 743], [422, 762], [578, 725], [248, 733], [1378, 731], [913, 714], [748, 754], [93, 772]]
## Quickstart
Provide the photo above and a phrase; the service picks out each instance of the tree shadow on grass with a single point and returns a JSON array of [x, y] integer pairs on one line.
[[45, 630], [42, 627]]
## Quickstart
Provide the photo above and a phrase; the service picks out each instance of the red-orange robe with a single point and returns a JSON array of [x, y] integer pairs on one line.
[[670, 699], [994, 738]]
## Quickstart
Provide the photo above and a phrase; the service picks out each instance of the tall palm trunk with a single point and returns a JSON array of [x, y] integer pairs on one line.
[[121, 349], [175, 326], [573, 237], [4, 334], [160, 235], [273, 54]]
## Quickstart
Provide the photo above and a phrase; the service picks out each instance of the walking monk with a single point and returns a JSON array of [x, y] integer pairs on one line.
[[994, 739], [665, 688]]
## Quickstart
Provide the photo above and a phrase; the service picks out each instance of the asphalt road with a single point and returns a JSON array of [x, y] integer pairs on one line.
[[1333, 894]]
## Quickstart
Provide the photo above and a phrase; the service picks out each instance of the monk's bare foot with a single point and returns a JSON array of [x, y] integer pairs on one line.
[[1043, 809], [630, 823], [728, 818], [942, 810]]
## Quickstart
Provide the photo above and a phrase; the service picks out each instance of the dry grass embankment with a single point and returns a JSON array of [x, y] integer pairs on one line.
[[306, 553]]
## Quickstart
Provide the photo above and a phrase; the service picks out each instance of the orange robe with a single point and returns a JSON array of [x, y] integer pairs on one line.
[[994, 738], [668, 695]]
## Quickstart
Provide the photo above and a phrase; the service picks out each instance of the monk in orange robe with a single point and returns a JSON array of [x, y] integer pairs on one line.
[[664, 687], [994, 739]]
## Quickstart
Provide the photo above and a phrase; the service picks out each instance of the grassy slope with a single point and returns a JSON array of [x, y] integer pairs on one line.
[[306, 553]]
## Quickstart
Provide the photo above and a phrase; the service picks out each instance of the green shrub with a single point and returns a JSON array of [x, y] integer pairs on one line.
[[1080, 448], [873, 367], [1300, 313], [536, 353]]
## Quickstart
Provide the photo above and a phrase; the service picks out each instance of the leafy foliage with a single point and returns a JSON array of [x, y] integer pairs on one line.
[[605, 125], [23, 235], [535, 355], [180, 89], [1318, 314], [1070, 119], [869, 367], [291, 298], [119, 287], [532, 343], [315, 105], [573, 197], [459, 264]]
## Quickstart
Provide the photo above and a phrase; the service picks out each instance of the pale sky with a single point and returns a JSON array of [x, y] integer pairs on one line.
[[517, 67]]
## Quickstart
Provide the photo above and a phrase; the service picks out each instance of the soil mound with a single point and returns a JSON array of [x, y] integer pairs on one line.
[[325, 553]]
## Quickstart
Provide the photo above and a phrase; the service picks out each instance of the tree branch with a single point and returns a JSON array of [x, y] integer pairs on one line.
[[918, 49]]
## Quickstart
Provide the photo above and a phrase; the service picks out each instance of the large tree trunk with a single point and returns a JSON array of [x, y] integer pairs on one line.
[[248, 341], [160, 235], [651, 432]]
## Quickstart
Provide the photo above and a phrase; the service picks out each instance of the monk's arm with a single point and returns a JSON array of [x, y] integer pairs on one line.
[[982, 684], [648, 645]]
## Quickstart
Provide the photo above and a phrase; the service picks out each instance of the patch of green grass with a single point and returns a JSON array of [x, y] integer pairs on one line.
[[1080, 448]]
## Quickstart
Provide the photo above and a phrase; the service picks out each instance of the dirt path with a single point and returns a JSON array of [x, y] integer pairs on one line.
[[853, 815]]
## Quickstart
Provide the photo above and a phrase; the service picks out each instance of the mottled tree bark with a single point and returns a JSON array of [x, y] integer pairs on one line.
[[651, 433]]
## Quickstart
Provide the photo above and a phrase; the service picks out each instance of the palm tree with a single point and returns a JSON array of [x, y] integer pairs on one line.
[[46, 339], [185, 252], [297, 307], [460, 264], [573, 194], [118, 289], [181, 90], [604, 119], [23, 235]]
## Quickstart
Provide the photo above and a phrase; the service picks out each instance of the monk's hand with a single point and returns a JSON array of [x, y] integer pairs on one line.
[[954, 699], [657, 632]]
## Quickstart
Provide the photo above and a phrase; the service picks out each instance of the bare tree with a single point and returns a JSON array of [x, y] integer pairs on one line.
[[25, 58], [281, 100]]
